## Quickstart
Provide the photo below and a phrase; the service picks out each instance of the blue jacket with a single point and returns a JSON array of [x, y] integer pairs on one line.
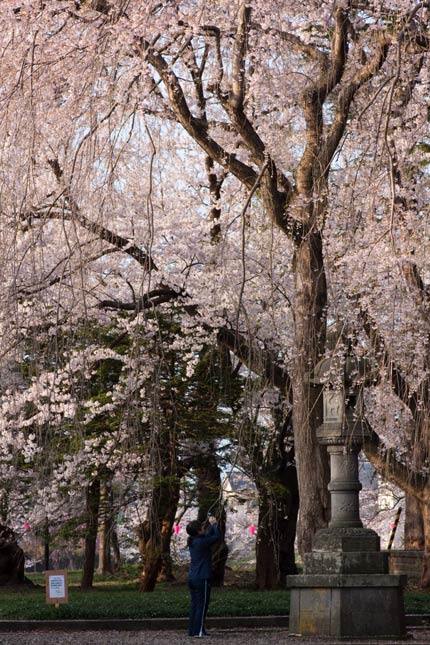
[[201, 554]]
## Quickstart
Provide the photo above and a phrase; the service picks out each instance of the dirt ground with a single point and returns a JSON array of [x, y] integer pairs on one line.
[[220, 637]]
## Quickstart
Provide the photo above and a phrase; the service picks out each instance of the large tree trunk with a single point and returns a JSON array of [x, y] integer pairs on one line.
[[92, 511], [312, 461]]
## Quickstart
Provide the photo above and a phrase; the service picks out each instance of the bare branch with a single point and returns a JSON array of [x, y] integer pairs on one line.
[[149, 300], [294, 42], [339, 50], [331, 72], [197, 128], [74, 214], [346, 97], [239, 55]]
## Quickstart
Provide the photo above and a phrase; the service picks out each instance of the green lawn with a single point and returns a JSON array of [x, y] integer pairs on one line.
[[120, 598], [111, 602]]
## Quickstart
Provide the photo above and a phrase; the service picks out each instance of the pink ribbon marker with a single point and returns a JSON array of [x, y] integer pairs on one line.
[[176, 528], [26, 526], [252, 529]]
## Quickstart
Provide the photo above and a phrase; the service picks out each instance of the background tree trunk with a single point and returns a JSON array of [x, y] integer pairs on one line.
[[277, 522], [275, 542], [46, 545], [11, 560], [151, 567], [92, 511], [116, 553], [287, 527], [267, 552], [105, 528], [156, 531], [156, 534], [168, 520], [166, 569]]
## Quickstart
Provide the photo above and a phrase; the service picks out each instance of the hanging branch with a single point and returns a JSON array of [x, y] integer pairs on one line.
[[386, 462], [385, 359]]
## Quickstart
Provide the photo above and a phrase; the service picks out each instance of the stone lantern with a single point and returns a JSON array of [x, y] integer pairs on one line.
[[345, 590], [342, 431]]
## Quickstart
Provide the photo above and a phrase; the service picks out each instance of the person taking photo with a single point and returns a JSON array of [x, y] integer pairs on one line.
[[199, 577]]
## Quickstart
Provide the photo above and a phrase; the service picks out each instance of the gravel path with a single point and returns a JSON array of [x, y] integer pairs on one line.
[[220, 637]]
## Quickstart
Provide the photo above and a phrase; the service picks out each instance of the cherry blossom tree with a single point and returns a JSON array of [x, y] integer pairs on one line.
[[256, 163]]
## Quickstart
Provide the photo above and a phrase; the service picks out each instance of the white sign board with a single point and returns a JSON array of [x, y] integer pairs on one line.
[[56, 587]]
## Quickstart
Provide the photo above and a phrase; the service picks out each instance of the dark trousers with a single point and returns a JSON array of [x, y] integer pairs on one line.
[[200, 590]]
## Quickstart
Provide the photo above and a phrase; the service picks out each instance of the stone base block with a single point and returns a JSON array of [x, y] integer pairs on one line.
[[359, 562], [346, 540], [406, 562], [347, 606]]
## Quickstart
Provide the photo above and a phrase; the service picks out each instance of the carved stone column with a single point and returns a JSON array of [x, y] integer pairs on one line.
[[344, 486]]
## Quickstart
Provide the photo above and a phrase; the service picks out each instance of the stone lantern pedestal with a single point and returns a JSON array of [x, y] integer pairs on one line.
[[345, 590]]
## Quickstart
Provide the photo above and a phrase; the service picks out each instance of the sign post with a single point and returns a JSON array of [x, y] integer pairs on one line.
[[56, 588]]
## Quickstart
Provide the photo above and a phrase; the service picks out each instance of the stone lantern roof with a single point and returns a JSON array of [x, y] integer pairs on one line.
[[352, 372]]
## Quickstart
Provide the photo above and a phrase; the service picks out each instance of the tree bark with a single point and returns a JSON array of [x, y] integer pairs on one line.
[[425, 572], [414, 525], [92, 511], [166, 568]]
